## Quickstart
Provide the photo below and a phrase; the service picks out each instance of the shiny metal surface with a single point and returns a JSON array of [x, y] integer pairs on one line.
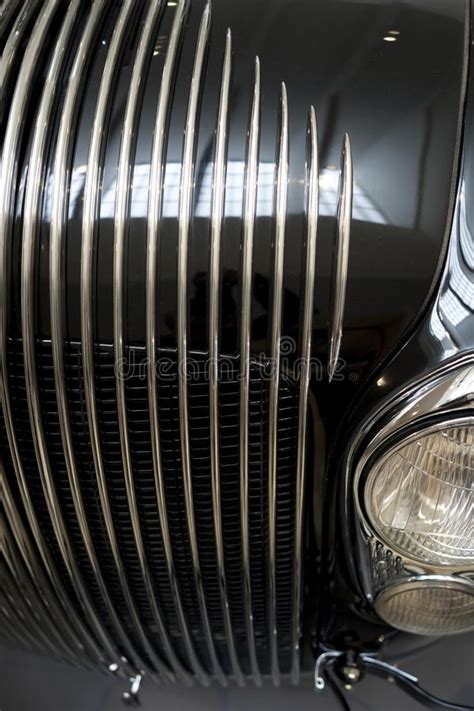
[[122, 203], [341, 252], [33, 587], [7, 182], [186, 193], [61, 611], [33, 190], [102, 111], [312, 211], [245, 320], [277, 281], [218, 196], [11, 50], [153, 237]]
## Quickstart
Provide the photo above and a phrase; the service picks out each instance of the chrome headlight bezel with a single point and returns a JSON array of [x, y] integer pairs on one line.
[[444, 396], [418, 429]]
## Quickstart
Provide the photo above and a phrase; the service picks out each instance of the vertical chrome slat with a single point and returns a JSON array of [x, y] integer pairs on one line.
[[23, 600], [245, 320], [120, 225], [33, 196], [185, 205], [278, 255], [60, 613], [9, 170], [91, 199], [218, 194], [312, 211], [8, 11], [29, 587], [155, 198], [343, 236], [13, 43], [60, 180]]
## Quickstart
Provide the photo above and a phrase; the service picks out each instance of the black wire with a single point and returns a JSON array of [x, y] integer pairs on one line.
[[337, 691]]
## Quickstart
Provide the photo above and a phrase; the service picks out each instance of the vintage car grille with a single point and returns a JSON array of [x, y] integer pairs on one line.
[[154, 522], [140, 446]]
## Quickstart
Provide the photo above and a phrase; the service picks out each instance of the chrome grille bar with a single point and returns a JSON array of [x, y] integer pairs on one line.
[[246, 300], [8, 11], [33, 195], [218, 195], [153, 236], [33, 593], [312, 211], [22, 600], [122, 203], [7, 187], [91, 196], [343, 236], [13, 43], [278, 255], [56, 280], [185, 204], [31, 219], [59, 609]]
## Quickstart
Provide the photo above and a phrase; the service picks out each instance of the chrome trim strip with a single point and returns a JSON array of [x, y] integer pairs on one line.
[[16, 562], [32, 209], [8, 12], [312, 212], [446, 389], [31, 220], [22, 601], [410, 562], [59, 609], [278, 256], [185, 207], [153, 237], [217, 209], [343, 236], [9, 170], [124, 176], [7, 59], [89, 216], [250, 203]]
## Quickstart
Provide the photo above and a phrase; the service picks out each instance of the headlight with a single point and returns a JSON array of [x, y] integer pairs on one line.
[[419, 497], [428, 605]]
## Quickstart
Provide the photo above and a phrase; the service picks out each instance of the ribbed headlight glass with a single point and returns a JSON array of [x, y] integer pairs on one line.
[[419, 497], [429, 606]]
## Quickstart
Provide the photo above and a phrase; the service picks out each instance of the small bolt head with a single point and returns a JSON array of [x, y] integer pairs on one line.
[[351, 674]]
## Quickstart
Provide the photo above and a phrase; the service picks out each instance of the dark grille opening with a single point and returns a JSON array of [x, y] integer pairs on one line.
[[140, 447]]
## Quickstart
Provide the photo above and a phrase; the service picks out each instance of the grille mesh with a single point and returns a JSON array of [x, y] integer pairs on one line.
[[139, 435]]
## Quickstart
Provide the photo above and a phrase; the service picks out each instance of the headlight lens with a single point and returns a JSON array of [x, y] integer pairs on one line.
[[419, 497], [428, 606]]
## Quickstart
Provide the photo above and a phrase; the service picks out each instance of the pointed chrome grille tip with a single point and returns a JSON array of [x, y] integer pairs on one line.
[[341, 256], [217, 210], [312, 213], [281, 199], [184, 221]]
